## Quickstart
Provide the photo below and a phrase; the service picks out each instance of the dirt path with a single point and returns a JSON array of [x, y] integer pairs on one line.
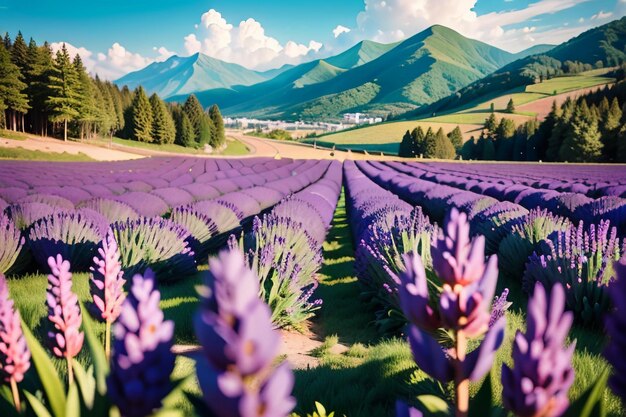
[[35, 143]]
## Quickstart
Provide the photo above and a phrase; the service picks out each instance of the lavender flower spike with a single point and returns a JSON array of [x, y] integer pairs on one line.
[[142, 360], [107, 285], [236, 372], [616, 328], [537, 385], [14, 353], [63, 312]]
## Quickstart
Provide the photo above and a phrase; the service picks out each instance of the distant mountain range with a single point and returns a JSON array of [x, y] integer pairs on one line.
[[605, 44], [369, 77]]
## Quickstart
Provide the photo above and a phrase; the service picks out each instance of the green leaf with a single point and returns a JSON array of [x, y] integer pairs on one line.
[[86, 383], [98, 357], [434, 405], [591, 402], [38, 408], [48, 376], [481, 404], [73, 402]]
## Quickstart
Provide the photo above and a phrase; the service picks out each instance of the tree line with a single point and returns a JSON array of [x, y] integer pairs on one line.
[[53, 95], [591, 128]]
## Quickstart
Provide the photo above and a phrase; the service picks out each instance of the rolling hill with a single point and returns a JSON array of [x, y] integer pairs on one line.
[[368, 77], [605, 44], [186, 75]]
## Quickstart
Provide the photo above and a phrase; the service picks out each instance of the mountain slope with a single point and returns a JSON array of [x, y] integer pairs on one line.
[[361, 53], [605, 43], [185, 75], [418, 71], [534, 50]]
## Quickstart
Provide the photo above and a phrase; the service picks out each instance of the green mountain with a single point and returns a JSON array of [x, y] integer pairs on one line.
[[185, 75], [534, 50], [417, 71], [605, 45]]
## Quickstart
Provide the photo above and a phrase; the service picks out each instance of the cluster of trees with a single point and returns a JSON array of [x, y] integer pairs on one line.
[[52, 94], [152, 120], [589, 129], [278, 134], [431, 144]]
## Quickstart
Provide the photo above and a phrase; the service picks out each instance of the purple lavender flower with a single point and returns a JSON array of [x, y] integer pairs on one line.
[[142, 360], [14, 353], [12, 243], [403, 410], [107, 286], [542, 373], [616, 328], [66, 338], [235, 329], [499, 307]]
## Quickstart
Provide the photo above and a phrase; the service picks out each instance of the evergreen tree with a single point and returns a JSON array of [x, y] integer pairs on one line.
[[419, 145], [510, 107], [8, 44], [37, 75], [19, 52], [430, 144], [489, 150], [107, 118], [63, 100], [504, 140], [621, 145], [538, 143], [582, 141], [609, 128], [141, 117], [522, 140], [443, 146], [12, 97], [219, 136], [194, 111], [468, 151], [184, 129], [491, 124], [163, 128], [406, 146], [456, 137], [86, 95], [559, 131]]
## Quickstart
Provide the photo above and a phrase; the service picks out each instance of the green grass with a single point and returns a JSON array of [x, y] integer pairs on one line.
[[567, 84], [25, 154], [235, 147], [171, 147], [9, 134]]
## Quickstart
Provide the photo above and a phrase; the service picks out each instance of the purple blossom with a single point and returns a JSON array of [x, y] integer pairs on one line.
[[14, 353], [499, 307], [234, 326], [107, 284], [542, 373], [142, 360], [616, 327], [12, 243], [403, 410]]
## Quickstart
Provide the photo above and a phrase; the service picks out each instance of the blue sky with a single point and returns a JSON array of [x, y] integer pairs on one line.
[[115, 37]]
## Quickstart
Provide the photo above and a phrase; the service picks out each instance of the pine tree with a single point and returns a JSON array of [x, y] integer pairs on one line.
[[538, 144], [443, 146], [468, 150], [107, 118], [12, 97], [491, 124], [559, 131], [38, 69], [489, 150], [184, 129], [510, 107], [87, 100], [582, 141], [430, 144], [609, 128], [141, 117], [63, 101], [218, 126], [456, 137], [163, 128], [194, 111], [419, 145], [504, 140], [406, 146]]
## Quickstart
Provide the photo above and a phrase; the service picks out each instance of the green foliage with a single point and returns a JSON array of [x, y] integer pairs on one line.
[[64, 97], [491, 124], [219, 135], [163, 128], [582, 139], [510, 107], [438, 145], [456, 137], [142, 118]]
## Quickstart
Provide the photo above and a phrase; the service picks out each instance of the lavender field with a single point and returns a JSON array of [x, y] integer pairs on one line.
[[171, 286]]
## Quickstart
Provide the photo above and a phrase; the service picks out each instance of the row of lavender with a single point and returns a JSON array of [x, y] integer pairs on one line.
[[574, 199], [42, 225], [591, 180], [532, 246]]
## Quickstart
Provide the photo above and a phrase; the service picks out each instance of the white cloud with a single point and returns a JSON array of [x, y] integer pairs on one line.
[[116, 62], [245, 44], [339, 30], [164, 54], [601, 15], [393, 20]]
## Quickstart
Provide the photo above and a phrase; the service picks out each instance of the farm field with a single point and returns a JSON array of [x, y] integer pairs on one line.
[[535, 101], [316, 248]]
